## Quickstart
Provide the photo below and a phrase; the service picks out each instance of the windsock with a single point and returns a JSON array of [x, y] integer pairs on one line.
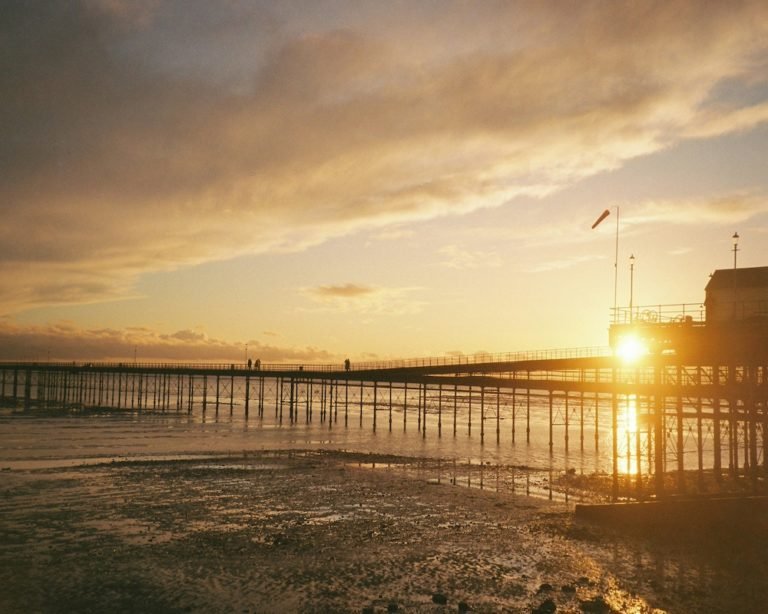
[[603, 215]]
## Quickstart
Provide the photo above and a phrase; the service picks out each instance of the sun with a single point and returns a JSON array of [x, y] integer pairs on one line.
[[631, 348]]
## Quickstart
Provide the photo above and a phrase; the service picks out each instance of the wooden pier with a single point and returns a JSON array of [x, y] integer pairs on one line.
[[673, 427]]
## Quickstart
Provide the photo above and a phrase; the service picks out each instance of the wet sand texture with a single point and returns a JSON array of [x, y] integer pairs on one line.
[[321, 533]]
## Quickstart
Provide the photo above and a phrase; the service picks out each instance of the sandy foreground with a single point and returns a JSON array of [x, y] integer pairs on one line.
[[334, 532]]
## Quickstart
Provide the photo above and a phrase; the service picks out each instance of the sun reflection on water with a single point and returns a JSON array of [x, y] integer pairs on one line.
[[629, 435]]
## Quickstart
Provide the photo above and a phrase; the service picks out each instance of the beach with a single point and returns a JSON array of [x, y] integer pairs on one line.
[[328, 532]]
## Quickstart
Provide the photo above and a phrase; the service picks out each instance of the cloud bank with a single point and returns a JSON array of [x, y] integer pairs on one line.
[[136, 140], [65, 341]]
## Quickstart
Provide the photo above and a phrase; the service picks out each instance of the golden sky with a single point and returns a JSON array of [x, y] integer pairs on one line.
[[368, 179]]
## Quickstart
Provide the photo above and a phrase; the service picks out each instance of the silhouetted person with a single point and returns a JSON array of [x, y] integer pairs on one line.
[[258, 364], [347, 364], [250, 364]]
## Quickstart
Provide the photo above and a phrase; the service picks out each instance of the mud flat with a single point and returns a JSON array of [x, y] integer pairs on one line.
[[334, 532]]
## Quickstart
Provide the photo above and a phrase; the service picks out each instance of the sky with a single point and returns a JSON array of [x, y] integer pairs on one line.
[[309, 181]]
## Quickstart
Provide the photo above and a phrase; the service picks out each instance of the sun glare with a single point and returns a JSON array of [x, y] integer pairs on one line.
[[631, 348]]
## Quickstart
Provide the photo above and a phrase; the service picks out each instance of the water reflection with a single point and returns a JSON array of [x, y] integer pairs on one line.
[[630, 437]]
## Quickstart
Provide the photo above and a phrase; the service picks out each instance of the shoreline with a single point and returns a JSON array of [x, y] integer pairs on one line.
[[316, 532]]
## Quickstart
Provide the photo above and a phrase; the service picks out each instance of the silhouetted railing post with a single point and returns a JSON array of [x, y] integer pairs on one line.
[[514, 415], [528, 413], [567, 422], [551, 433], [346, 404], [680, 431], [247, 394], [750, 380], [717, 462], [469, 413], [615, 434], [375, 399], [361, 403], [455, 407], [405, 406], [482, 414]]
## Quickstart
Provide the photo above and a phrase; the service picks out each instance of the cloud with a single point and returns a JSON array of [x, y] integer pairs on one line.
[[456, 257], [722, 209], [394, 234], [345, 291], [135, 141], [714, 122], [563, 263], [188, 335], [370, 300], [65, 341]]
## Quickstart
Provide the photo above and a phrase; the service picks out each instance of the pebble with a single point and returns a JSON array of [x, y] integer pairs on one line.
[[596, 606], [547, 607]]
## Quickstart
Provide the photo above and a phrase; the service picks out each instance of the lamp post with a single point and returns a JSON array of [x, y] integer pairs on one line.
[[246, 353], [735, 238], [631, 287]]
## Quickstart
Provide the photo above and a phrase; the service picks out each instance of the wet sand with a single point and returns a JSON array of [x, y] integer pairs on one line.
[[326, 532]]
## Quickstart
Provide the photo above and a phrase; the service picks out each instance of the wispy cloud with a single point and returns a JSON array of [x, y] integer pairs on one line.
[[721, 209], [714, 122], [562, 263], [394, 234], [456, 257], [133, 141], [345, 291], [369, 300]]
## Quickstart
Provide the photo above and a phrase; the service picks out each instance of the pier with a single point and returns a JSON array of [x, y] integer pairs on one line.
[[671, 424]]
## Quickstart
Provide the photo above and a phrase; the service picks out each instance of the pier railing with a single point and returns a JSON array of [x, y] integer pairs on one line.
[[484, 358], [241, 368], [652, 314]]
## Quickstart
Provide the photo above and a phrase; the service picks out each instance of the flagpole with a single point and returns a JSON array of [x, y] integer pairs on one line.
[[604, 215], [616, 269]]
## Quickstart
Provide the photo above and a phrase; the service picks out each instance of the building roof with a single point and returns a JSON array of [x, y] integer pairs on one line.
[[752, 277]]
